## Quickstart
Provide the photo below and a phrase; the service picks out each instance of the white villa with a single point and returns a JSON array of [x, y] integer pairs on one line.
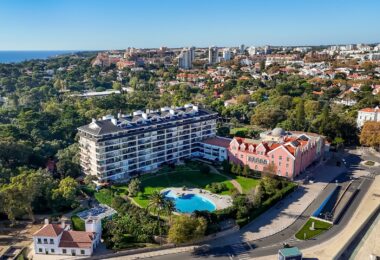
[[368, 114], [59, 239]]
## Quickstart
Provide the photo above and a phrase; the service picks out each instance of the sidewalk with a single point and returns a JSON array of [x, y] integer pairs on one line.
[[330, 248], [287, 211]]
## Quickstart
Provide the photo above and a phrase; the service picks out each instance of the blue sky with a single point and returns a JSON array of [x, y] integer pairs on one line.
[[117, 24]]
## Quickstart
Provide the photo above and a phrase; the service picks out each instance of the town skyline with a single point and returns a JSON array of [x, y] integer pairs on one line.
[[73, 25]]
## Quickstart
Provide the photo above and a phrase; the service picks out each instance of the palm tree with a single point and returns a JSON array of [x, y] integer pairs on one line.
[[156, 205], [169, 208]]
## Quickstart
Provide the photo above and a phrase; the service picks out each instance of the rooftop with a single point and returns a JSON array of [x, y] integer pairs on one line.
[[50, 230], [77, 239], [218, 141], [139, 119]]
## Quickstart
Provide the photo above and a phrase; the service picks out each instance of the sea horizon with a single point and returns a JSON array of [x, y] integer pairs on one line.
[[15, 56]]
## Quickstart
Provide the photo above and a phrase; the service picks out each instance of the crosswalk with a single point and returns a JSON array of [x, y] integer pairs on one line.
[[240, 252]]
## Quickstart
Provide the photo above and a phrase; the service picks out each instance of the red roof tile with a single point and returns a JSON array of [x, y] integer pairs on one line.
[[50, 230], [78, 239]]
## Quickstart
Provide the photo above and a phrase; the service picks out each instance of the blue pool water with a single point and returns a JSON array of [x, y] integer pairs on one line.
[[190, 202]]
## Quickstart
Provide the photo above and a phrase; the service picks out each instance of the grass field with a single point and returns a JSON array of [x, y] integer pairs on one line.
[[104, 196], [184, 177], [320, 227], [246, 183]]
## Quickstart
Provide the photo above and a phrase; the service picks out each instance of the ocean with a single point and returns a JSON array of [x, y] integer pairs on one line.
[[19, 56]]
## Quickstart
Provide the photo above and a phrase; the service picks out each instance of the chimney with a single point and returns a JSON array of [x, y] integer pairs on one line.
[[46, 220], [93, 120], [63, 224], [114, 121], [172, 112], [144, 115]]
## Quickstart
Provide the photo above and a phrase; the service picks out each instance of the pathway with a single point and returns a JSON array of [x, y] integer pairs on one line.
[[286, 212], [216, 171]]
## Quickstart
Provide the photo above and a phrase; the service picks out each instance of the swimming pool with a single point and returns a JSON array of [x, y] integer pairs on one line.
[[188, 203]]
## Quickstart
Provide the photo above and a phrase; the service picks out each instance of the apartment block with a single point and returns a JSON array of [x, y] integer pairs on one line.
[[117, 148]]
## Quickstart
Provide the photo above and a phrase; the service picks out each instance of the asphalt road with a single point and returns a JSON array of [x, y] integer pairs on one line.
[[270, 245]]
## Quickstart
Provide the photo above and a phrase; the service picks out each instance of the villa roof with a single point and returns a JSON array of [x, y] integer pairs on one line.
[[78, 239], [50, 230]]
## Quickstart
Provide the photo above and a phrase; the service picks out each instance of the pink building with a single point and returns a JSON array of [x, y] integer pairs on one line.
[[289, 152]]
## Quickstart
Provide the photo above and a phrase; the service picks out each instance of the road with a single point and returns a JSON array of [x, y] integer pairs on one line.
[[270, 245]]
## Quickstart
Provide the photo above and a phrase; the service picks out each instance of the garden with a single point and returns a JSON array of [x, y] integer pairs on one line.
[[306, 232]]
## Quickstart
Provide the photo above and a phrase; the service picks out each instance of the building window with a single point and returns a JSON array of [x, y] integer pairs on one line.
[[39, 241], [52, 250], [287, 159], [82, 252], [241, 156], [51, 241], [286, 174], [45, 241], [287, 165], [272, 156], [40, 250], [280, 157], [64, 251]]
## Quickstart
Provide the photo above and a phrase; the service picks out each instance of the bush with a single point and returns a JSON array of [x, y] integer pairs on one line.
[[217, 187], [78, 223], [204, 169]]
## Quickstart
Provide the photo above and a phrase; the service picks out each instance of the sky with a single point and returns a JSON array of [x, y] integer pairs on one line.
[[118, 24]]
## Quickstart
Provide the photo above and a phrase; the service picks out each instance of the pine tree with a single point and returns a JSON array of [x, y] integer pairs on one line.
[[300, 116]]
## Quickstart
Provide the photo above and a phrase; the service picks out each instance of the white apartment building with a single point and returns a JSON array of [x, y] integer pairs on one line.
[[186, 58], [118, 148], [368, 114], [227, 54], [58, 239], [214, 149]]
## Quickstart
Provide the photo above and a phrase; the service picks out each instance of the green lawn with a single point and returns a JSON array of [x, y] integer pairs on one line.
[[320, 227], [104, 196], [246, 183], [78, 223], [182, 176]]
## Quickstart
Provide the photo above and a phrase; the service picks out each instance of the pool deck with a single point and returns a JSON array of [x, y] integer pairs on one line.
[[220, 201]]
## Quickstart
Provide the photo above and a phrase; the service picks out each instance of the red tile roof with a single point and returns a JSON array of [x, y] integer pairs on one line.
[[217, 141], [50, 230], [78, 239], [369, 109]]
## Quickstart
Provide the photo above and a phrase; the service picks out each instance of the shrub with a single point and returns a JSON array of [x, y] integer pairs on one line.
[[217, 187]]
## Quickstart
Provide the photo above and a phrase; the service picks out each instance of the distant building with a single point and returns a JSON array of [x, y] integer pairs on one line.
[[59, 239], [368, 114], [212, 55], [288, 153], [227, 54], [97, 94], [186, 58]]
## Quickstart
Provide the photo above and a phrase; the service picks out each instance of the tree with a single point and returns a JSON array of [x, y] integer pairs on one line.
[[157, 204], [186, 228], [233, 168], [64, 196], [238, 169], [226, 166], [134, 187], [169, 209], [255, 196], [246, 171], [267, 116], [300, 116], [370, 134]]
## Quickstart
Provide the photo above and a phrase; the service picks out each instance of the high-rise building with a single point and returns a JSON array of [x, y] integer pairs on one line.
[[116, 148], [242, 48], [212, 55], [252, 50], [226, 54], [186, 58]]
